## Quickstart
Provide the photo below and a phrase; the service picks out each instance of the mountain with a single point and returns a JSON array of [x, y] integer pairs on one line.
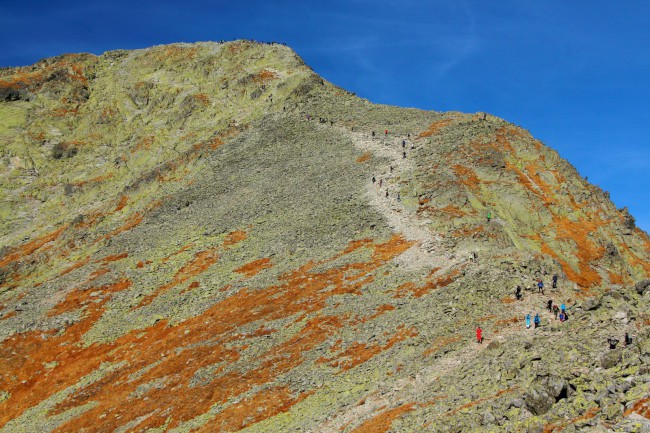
[[211, 237]]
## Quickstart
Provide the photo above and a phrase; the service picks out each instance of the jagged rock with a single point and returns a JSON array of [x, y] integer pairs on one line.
[[590, 304], [641, 286], [544, 392], [610, 358]]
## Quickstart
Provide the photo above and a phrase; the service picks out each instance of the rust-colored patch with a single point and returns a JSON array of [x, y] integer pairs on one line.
[[441, 342], [133, 221], [264, 76], [364, 157], [382, 423], [172, 355], [430, 283], [182, 250], [559, 426], [112, 258], [8, 315], [358, 353], [467, 176], [378, 312], [254, 267], [642, 407], [234, 238], [144, 143], [504, 323], [453, 211], [30, 247], [435, 127], [203, 99], [508, 300], [200, 263], [123, 201], [141, 264], [480, 400], [77, 265]]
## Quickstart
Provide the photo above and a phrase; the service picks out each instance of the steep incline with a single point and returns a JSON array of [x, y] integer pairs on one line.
[[192, 241]]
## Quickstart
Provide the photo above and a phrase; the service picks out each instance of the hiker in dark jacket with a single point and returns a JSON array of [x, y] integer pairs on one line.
[[518, 293], [555, 281], [549, 305]]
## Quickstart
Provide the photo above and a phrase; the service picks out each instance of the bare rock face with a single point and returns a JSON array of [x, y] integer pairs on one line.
[[211, 237]]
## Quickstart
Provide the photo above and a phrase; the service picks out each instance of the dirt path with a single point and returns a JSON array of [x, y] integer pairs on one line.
[[427, 252]]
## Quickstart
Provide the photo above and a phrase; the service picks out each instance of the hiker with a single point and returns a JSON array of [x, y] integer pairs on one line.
[[562, 317], [537, 320], [563, 308], [386, 193], [403, 144], [612, 342], [404, 155], [373, 133], [399, 198], [380, 182], [540, 287], [555, 281], [527, 321], [391, 168], [373, 179], [479, 334], [385, 131], [408, 135], [549, 305], [628, 339], [518, 293], [556, 310], [489, 216]]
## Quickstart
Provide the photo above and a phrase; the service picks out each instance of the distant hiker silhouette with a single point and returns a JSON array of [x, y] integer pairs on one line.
[[479, 334], [527, 321], [380, 182], [391, 168], [628, 339], [373, 179], [518, 293], [563, 308], [373, 133], [562, 317], [403, 155], [540, 286], [489, 216], [612, 342], [556, 310], [549, 305], [386, 193], [385, 131], [403, 144], [399, 198], [537, 320], [555, 281]]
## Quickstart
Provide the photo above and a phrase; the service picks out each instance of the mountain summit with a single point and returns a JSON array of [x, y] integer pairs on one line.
[[210, 237]]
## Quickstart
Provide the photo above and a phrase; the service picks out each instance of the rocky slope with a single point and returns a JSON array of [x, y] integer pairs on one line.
[[193, 241]]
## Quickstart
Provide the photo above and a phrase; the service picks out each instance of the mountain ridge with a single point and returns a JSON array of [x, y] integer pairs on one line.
[[214, 203]]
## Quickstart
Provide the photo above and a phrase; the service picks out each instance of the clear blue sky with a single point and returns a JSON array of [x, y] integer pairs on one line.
[[575, 73]]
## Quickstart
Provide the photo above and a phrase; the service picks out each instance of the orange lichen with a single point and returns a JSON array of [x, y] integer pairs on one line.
[[95, 179], [143, 143], [8, 315], [77, 265], [364, 157], [133, 221], [479, 401], [254, 267], [503, 323], [378, 312], [265, 76], [441, 342], [508, 300], [234, 238], [430, 283], [435, 127], [642, 407], [453, 210], [171, 356], [358, 353], [30, 247], [559, 426], [382, 423], [467, 176], [182, 250], [122, 203], [112, 258]]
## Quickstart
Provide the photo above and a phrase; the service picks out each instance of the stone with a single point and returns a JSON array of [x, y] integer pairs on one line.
[[610, 359], [590, 304], [642, 286]]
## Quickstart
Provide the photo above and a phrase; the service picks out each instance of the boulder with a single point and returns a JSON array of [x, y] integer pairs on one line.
[[544, 392], [610, 358], [590, 304], [641, 286]]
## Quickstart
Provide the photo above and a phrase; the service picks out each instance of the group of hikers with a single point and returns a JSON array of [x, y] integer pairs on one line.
[[559, 312], [381, 181]]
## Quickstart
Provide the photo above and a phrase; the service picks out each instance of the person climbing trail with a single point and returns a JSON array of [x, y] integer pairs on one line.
[[556, 311], [562, 317], [479, 334], [555, 281], [628, 339], [540, 287], [373, 179], [386, 193], [391, 168], [563, 308], [385, 131], [549, 305], [408, 135], [403, 155], [527, 321], [380, 182], [518, 293], [537, 320], [403, 144], [612, 342], [489, 216], [399, 198]]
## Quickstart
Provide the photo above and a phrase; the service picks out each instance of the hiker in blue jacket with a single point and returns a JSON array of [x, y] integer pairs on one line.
[[537, 320], [527, 321]]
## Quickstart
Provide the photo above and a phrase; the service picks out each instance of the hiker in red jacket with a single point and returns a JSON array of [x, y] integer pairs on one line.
[[479, 334]]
